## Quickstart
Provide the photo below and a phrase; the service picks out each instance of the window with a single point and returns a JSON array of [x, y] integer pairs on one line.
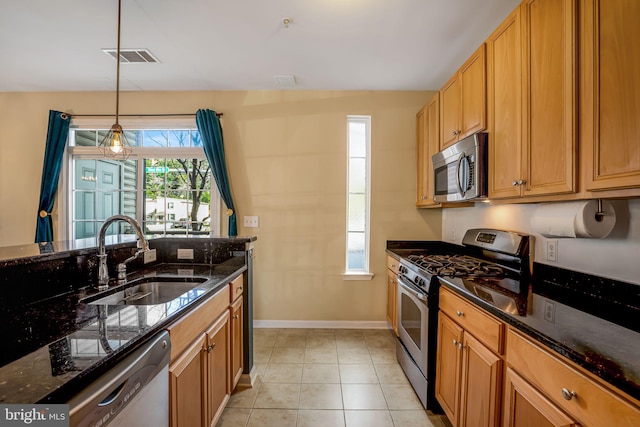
[[167, 177], [358, 196]]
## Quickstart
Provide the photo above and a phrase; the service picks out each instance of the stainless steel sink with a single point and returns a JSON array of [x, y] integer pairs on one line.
[[150, 291]]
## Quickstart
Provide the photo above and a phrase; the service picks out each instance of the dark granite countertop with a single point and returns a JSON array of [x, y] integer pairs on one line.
[[590, 320], [53, 347]]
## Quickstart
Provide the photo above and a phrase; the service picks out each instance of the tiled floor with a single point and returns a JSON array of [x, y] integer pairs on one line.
[[327, 378]]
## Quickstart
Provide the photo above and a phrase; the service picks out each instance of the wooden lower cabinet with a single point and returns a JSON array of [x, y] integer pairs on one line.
[[392, 292], [217, 373], [207, 358], [480, 386], [199, 378], [524, 406], [236, 341], [574, 392], [468, 376], [187, 385], [392, 300], [469, 369], [448, 367]]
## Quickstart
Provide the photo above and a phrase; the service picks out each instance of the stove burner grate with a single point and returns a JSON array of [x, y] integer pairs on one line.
[[456, 266]]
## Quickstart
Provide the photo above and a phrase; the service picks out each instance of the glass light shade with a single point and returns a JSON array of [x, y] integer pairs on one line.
[[115, 145]]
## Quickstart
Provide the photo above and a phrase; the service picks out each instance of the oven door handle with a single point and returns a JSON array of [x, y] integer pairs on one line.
[[408, 288]]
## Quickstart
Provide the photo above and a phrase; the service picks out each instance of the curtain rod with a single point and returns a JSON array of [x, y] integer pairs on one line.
[[137, 115]]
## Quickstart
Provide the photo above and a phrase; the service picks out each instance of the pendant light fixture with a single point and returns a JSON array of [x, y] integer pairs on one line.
[[115, 145]]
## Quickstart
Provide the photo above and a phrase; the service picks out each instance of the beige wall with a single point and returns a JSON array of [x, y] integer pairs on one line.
[[287, 156]]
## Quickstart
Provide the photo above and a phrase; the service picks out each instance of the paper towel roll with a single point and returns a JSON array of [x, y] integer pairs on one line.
[[573, 219]]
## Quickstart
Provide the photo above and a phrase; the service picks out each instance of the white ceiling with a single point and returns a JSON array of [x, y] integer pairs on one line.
[[242, 44]]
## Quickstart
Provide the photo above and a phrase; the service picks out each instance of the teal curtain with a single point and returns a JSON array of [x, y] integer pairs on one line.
[[211, 132], [56, 141]]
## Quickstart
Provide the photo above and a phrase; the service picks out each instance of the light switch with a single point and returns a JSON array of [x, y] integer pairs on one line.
[[251, 222]]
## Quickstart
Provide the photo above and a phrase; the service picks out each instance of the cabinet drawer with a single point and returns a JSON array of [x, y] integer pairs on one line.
[[392, 264], [481, 325], [184, 331], [592, 405], [237, 287]]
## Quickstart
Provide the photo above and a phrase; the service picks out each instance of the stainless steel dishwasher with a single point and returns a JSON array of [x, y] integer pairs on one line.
[[135, 392]]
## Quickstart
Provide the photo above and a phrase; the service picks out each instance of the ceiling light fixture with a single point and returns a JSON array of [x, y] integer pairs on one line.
[[115, 145], [287, 21]]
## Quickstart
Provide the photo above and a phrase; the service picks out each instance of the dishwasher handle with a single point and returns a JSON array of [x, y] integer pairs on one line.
[[108, 395]]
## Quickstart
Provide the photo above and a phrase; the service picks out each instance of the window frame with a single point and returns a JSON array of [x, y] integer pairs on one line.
[[364, 273], [65, 185]]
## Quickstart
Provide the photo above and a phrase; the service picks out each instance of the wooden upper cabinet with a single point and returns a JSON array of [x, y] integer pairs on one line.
[[550, 103], [449, 112], [473, 92], [610, 94], [421, 130], [463, 108], [428, 135], [504, 107], [532, 95]]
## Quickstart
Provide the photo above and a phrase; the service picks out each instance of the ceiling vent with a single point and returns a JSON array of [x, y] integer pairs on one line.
[[285, 81], [132, 56]]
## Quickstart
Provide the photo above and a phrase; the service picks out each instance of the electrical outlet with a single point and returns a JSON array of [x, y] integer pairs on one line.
[[549, 311], [251, 222], [552, 250], [452, 235], [149, 256], [185, 254]]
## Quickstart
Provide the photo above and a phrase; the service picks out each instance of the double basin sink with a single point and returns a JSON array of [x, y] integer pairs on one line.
[[146, 291]]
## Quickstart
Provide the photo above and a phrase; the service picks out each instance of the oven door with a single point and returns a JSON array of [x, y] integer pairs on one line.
[[413, 322]]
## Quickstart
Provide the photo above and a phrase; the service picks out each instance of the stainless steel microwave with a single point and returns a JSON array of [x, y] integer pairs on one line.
[[460, 170]]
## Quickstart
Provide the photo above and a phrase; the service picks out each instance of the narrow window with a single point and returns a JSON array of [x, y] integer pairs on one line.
[[358, 195]]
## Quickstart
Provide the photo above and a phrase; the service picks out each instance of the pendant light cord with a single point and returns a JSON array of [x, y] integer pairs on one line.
[[118, 66]]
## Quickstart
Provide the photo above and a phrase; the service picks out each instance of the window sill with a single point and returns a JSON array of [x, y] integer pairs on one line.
[[357, 276]]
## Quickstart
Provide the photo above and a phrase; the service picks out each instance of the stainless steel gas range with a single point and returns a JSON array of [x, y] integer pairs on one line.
[[489, 258]]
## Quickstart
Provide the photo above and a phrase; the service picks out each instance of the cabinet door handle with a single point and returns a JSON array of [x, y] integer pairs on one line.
[[211, 347], [459, 313], [458, 344], [568, 395], [455, 342], [239, 289], [235, 316], [522, 182]]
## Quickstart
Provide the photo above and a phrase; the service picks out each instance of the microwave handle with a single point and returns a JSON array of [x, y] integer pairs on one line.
[[458, 182]]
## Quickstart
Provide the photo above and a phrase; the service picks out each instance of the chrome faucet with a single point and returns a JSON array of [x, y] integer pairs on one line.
[[103, 271]]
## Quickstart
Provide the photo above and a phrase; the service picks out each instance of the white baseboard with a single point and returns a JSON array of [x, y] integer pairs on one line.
[[321, 324]]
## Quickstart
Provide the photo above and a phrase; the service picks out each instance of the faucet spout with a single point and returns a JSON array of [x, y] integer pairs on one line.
[[143, 246]]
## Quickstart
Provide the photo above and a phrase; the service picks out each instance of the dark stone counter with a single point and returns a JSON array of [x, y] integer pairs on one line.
[[53, 348], [591, 320], [54, 344]]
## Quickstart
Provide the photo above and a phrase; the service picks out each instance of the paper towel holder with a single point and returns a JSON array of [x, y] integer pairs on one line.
[[600, 213]]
